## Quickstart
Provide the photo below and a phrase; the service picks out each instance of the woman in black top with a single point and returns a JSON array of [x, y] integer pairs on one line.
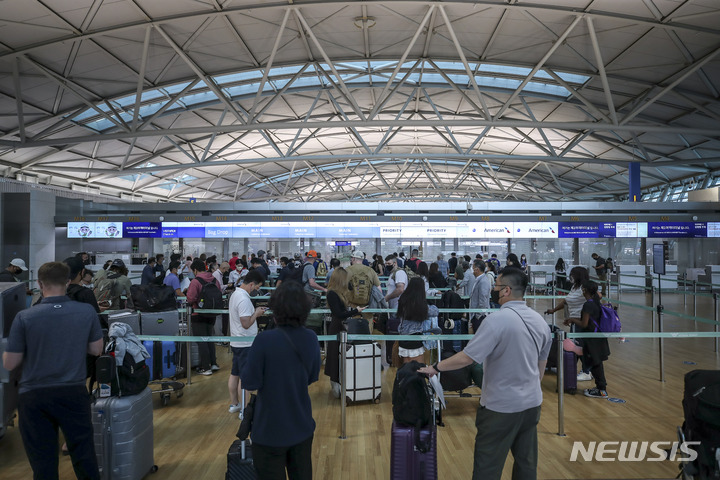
[[337, 301], [435, 278], [595, 350]]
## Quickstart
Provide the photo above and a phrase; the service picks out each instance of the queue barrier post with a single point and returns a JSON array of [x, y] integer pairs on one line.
[[342, 340], [715, 299], [685, 289], [559, 337], [188, 347], [661, 349], [694, 298]]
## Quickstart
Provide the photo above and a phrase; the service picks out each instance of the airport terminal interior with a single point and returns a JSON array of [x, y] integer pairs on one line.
[[545, 129]]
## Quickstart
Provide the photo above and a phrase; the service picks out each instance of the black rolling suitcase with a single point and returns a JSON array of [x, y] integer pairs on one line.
[[569, 365], [239, 458], [701, 408]]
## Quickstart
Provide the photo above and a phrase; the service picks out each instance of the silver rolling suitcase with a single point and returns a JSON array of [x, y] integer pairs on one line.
[[127, 316], [362, 372], [160, 323], [123, 431]]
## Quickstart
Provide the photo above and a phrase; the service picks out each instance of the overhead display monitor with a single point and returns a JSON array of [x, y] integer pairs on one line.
[[535, 230], [713, 229], [579, 230], [142, 229], [677, 230], [108, 229], [81, 230]]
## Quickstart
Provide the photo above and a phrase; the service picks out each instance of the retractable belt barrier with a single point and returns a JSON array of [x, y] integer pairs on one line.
[[560, 335]]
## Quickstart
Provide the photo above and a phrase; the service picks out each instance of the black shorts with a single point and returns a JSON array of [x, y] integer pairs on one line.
[[240, 355]]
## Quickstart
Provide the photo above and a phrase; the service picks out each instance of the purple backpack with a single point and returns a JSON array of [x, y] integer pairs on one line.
[[609, 320]]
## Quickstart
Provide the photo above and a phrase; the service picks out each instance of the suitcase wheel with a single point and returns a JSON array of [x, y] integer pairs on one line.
[[165, 400], [154, 469]]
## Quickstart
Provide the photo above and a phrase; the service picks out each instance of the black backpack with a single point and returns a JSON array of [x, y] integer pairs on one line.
[[412, 401], [453, 300], [210, 296], [130, 378], [153, 298]]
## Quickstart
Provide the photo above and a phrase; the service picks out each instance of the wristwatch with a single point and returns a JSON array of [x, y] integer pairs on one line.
[[435, 367]]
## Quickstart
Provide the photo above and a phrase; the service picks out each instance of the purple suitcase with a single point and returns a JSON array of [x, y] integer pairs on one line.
[[408, 463]]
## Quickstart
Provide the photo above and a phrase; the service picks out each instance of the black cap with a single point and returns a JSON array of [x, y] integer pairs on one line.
[[118, 263]]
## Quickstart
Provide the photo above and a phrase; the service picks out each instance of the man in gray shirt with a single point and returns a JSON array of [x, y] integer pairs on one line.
[[50, 341], [480, 296], [513, 344]]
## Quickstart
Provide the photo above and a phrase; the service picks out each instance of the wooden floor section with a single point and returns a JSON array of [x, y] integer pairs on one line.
[[193, 433]]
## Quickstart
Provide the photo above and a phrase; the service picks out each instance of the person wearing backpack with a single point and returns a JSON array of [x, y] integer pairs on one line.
[[109, 288], [595, 350], [600, 270], [513, 345], [204, 292], [321, 268]]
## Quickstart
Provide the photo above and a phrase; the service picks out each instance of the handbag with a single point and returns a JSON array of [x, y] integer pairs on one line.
[[248, 414]]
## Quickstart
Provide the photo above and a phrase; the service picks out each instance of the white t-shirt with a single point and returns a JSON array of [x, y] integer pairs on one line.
[[399, 277], [241, 306], [575, 301]]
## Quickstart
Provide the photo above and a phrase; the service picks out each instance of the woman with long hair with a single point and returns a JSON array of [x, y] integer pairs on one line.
[[513, 261], [337, 300], [435, 277], [281, 364], [424, 272], [561, 274], [412, 311], [595, 350], [574, 302]]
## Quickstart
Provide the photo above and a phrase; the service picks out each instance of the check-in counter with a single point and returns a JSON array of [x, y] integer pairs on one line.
[[714, 272], [631, 277], [669, 281], [541, 274]]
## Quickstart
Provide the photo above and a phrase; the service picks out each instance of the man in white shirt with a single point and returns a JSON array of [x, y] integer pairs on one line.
[[397, 281], [243, 323]]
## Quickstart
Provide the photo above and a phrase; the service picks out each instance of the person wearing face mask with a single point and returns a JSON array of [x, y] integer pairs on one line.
[[243, 323], [480, 296], [574, 302], [513, 344]]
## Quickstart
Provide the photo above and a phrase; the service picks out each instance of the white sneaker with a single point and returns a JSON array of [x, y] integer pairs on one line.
[[235, 408], [584, 377], [214, 368], [200, 371]]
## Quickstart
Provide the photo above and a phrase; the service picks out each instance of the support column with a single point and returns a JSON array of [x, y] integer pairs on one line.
[[634, 184], [576, 251]]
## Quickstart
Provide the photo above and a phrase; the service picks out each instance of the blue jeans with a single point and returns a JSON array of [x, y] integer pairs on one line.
[[41, 412]]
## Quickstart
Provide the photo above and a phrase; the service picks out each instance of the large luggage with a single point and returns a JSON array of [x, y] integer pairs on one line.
[[362, 372], [413, 448], [123, 431], [12, 300], [455, 380], [127, 316], [160, 323], [569, 367], [358, 326], [239, 458], [153, 298], [701, 408], [406, 461], [163, 359], [9, 386], [453, 327]]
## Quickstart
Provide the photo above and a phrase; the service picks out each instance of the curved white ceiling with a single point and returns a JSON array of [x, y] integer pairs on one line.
[[363, 100]]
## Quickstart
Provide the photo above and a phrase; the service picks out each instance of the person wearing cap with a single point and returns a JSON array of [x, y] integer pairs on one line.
[[75, 289], [358, 270], [16, 267], [308, 275], [117, 274]]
